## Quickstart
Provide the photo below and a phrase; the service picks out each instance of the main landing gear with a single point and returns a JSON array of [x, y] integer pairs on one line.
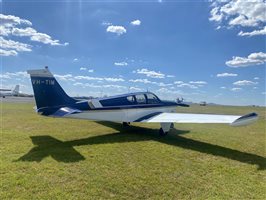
[[126, 124], [165, 128]]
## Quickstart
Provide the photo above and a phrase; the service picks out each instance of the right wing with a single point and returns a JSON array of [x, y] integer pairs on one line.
[[233, 120]]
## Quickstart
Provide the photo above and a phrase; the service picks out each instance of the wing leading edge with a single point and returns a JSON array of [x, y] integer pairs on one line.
[[233, 120]]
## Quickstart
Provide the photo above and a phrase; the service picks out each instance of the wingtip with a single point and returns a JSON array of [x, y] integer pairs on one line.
[[245, 120]]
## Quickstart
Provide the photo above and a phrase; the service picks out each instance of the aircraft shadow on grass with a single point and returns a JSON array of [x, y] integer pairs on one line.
[[64, 152]]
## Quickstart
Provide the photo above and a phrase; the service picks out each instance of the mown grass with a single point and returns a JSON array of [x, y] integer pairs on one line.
[[49, 158]]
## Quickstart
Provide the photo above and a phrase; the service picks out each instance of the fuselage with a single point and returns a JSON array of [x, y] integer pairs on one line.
[[132, 107]]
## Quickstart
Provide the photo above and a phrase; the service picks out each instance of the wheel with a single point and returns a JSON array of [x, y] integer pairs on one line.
[[172, 125], [126, 124], [162, 133]]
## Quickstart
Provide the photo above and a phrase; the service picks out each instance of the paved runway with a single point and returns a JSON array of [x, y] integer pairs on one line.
[[11, 99]]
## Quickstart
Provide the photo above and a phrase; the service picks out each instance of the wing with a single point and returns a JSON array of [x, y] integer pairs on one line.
[[233, 120]]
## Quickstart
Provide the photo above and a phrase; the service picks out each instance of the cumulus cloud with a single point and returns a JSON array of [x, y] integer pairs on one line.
[[152, 74], [135, 22], [244, 82], [11, 44], [226, 75], [239, 13], [253, 33], [236, 89], [9, 27], [140, 81], [121, 64], [253, 59], [119, 30], [91, 85], [91, 78], [8, 52], [198, 82]]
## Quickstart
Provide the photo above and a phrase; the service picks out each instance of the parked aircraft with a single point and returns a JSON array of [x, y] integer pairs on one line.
[[6, 92], [51, 100]]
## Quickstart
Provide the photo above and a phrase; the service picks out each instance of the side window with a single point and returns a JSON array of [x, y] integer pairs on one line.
[[141, 99], [131, 99], [152, 99]]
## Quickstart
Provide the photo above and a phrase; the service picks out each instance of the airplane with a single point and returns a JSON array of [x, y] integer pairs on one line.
[[52, 101], [7, 92]]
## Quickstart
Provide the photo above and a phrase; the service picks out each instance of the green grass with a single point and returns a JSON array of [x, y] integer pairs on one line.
[[49, 158]]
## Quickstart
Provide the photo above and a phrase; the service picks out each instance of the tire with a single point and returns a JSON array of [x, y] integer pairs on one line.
[[162, 133]]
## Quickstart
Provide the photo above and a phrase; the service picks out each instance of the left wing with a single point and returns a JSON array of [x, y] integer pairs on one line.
[[233, 120]]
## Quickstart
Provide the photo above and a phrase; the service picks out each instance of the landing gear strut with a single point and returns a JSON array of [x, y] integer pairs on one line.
[[165, 128]]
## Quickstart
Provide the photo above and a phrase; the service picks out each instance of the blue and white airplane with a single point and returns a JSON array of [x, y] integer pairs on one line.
[[51, 100]]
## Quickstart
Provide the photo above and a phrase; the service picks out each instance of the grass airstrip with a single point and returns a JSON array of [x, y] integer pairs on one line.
[[52, 158]]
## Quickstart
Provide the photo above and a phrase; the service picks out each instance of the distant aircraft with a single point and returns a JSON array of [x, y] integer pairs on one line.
[[7, 92], [52, 101]]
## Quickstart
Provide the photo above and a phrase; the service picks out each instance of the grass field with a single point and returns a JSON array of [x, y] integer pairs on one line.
[[48, 158]]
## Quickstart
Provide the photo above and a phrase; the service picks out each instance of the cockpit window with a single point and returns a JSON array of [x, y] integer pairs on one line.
[[152, 99], [131, 99], [141, 99]]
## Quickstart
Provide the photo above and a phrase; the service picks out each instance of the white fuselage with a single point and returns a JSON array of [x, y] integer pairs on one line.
[[121, 115]]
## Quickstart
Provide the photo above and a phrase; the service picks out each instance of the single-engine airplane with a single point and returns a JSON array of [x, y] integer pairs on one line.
[[51, 100], [7, 92]]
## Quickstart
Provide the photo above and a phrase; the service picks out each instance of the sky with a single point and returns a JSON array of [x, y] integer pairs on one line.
[[210, 51]]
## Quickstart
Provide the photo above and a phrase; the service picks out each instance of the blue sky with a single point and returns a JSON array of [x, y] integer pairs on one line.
[[202, 51]]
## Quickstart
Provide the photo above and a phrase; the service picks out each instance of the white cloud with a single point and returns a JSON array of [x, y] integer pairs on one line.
[[75, 60], [226, 75], [135, 89], [239, 13], [10, 20], [91, 70], [140, 81], [135, 22], [236, 89], [256, 78], [198, 82], [187, 85], [83, 69], [8, 52], [91, 85], [178, 82], [36, 36], [170, 76], [119, 30], [223, 87], [10, 44], [151, 74], [121, 64], [66, 77], [8, 27], [253, 59], [253, 33], [244, 82], [106, 23], [114, 79], [90, 78]]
